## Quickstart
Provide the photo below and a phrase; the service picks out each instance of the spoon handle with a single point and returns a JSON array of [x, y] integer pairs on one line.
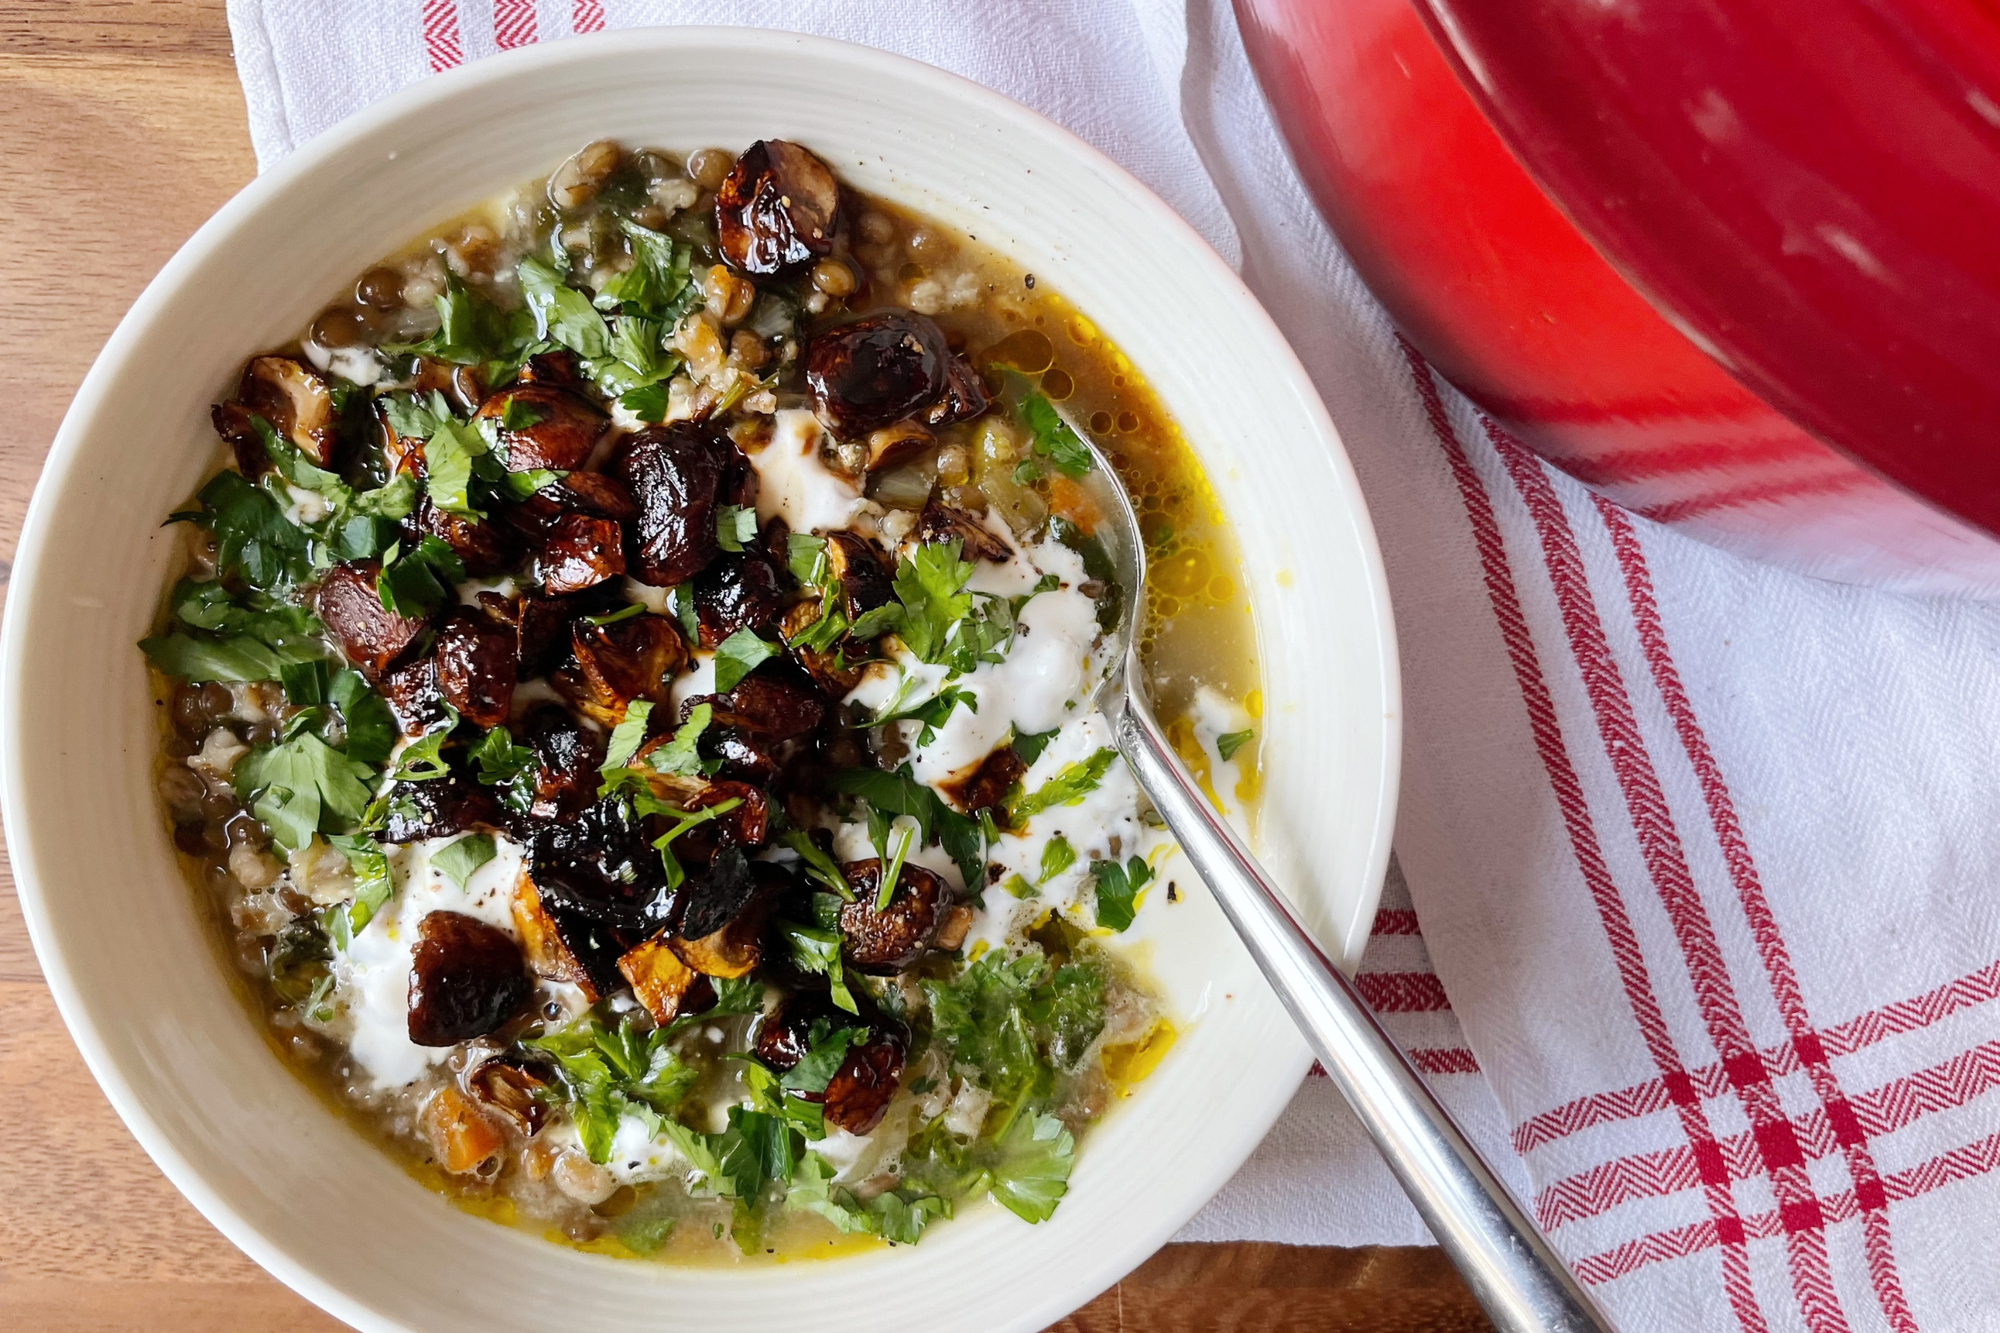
[[1514, 1274]]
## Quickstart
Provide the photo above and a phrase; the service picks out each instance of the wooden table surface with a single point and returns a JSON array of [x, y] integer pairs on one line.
[[121, 129]]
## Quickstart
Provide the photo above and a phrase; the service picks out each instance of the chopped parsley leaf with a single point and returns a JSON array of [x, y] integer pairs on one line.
[[627, 737], [1030, 746], [1072, 782], [372, 886], [299, 784], [818, 865], [679, 756], [739, 655], [648, 402], [1230, 742], [457, 860], [561, 312], [1054, 440], [1118, 890], [735, 526], [1057, 856], [418, 581], [423, 759], [371, 727], [816, 949]]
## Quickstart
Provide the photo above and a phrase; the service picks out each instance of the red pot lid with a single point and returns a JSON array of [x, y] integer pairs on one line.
[[1810, 189]]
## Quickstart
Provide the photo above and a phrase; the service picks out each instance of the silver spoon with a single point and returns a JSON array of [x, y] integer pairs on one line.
[[1514, 1274]]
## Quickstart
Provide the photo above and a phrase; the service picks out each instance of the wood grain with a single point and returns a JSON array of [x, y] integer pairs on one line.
[[123, 129]]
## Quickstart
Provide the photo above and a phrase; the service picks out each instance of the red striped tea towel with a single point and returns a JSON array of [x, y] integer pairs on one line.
[[1704, 852]]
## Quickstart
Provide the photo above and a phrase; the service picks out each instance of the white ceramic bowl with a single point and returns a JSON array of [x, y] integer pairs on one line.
[[128, 956]]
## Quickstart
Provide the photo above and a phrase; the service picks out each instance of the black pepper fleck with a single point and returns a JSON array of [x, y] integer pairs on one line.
[[1173, 892], [1030, 281]]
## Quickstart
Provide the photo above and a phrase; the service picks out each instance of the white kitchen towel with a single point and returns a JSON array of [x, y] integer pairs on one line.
[[1703, 851]]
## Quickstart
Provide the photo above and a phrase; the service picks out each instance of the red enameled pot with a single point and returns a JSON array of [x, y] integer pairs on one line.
[[1736, 264]]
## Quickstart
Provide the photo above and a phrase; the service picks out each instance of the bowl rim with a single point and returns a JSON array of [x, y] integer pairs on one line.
[[126, 345]]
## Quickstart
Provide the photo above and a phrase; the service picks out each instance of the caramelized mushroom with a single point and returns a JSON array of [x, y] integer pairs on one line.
[[665, 985], [486, 548], [675, 474], [552, 367], [744, 757], [296, 400], [567, 755], [543, 426], [620, 662], [858, 1094], [774, 702], [724, 917], [517, 1089], [829, 670], [964, 396], [738, 592], [901, 933], [466, 979], [438, 808], [540, 626], [475, 668], [563, 944], [579, 552], [777, 209], [864, 573], [412, 693], [941, 522], [372, 637], [876, 371], [590, 493]]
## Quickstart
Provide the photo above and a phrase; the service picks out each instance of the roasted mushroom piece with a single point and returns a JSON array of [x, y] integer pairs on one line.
[[412, 693], [964, 395], [738, 592], [726, 908], [475, 667], [775, 702], [858, 1094], [466, 979], [567, 756], [543, 426], [940, 522], [876, 371], [665, 985], [901, 933], [866, 579], [485, 548], [590, 493], [579, 552], [540, 626], [563, 944], [518, 1090], [296, 400], [777, 209], [372, 637], [676, 476], [438, 808], [620, 662]]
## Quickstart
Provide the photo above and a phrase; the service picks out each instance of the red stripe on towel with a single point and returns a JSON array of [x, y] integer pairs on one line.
[[1764, 929], [1549, 744], [1673, 883], [442, 47], [513, 23]]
